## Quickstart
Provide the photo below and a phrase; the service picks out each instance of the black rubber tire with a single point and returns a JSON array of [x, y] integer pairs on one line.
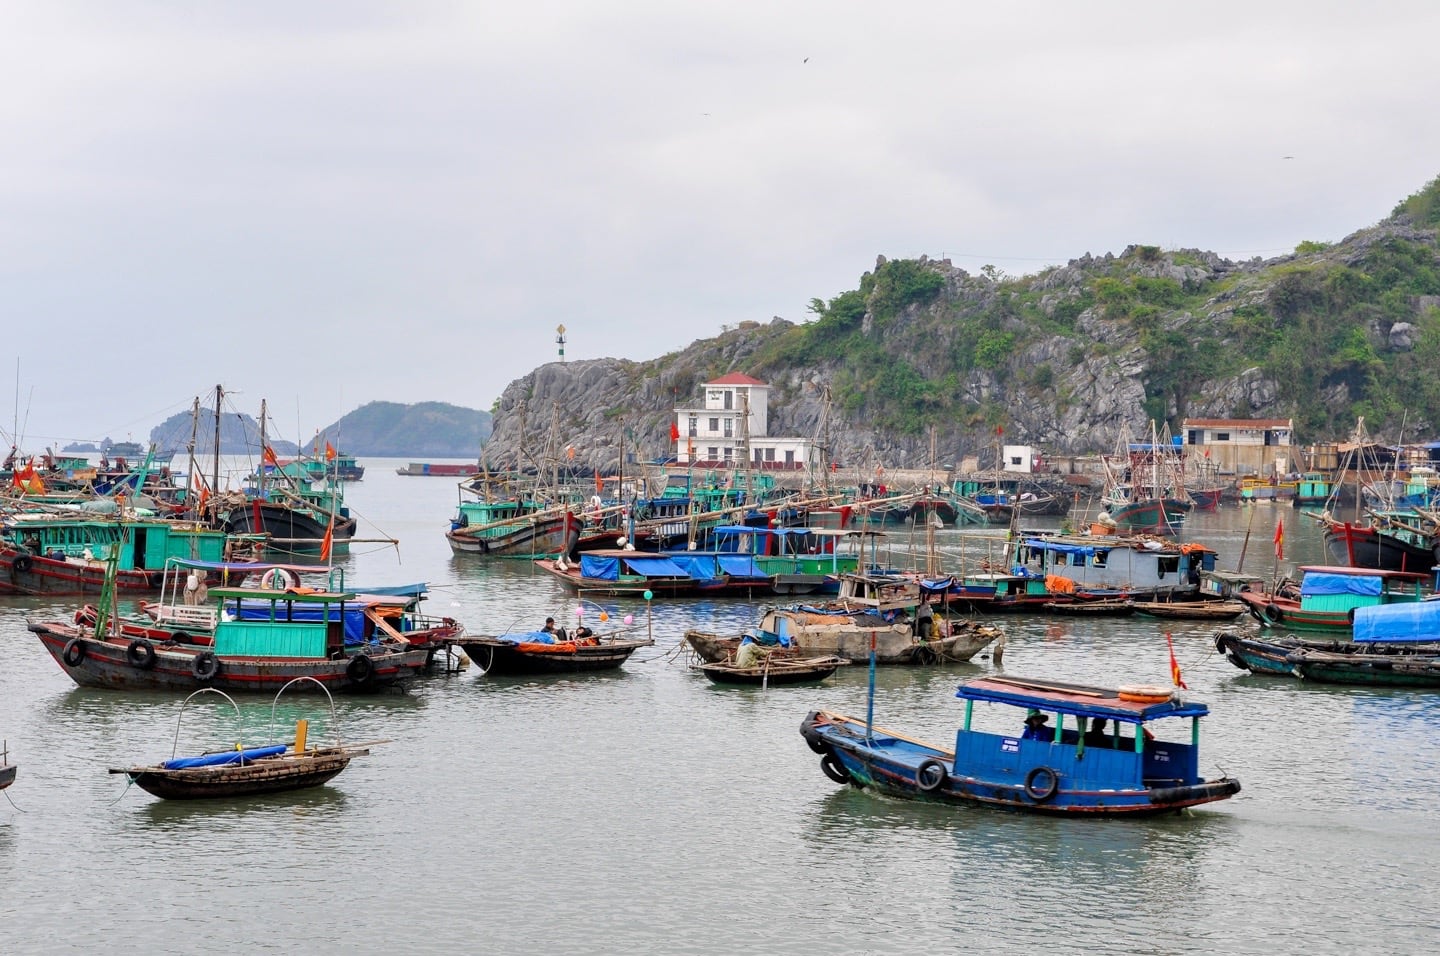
[[140, 654], [205, 666], [22, 563], [833, 769], [1041, 794], [927, 770], [1273, 613], [361, 669], [180, 637], [74, 652], [1350, 616]]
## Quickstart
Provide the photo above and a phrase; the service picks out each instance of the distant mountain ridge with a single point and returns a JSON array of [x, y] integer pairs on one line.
[[377, 429]]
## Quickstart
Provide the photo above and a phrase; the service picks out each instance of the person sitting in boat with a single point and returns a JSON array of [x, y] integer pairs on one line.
[[1095, 735], [751, 654], [549, 627], [925, 620], [1035, 728]]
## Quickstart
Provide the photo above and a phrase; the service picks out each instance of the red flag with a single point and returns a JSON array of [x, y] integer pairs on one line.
[[674, 432], [999, 430], [1174, 664], [267, 455], [328, 542], [329, 452], [599, 483], [1280, 540]]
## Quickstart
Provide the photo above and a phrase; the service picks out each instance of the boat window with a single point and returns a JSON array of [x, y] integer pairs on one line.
[[1100, 558]]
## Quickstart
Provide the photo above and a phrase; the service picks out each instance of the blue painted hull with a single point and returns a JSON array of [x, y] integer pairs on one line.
[[912, 769]]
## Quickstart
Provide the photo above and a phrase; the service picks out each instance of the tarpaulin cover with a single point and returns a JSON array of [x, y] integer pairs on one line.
[[595, 566], [528, 637], [1318, 582], [653, 567], [1413, 621], [701, 567], [228, 757], [1043, 545], [741, 566]]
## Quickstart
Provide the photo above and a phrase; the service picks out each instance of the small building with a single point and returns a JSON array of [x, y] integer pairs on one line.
[[734, 417], [1017, 458], [1243, 446]]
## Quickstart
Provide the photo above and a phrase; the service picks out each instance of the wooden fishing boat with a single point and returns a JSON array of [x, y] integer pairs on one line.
[[241, 772], [263, 638], [774, 670], [541, 653], [1192, 610], [1392, 646], [1075, 769], [1102, 608], [1327, 598]]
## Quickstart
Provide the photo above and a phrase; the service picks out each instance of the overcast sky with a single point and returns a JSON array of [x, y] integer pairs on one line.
[[325, 204]]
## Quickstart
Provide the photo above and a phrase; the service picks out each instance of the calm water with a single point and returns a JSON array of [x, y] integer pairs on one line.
[[649, 811]]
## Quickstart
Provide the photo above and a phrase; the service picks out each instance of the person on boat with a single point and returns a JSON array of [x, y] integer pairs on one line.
[[1035, 728], [549, 627], [1095, 735], [925, 620]]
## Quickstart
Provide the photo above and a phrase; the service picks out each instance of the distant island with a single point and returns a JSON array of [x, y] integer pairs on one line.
[[377, 429]]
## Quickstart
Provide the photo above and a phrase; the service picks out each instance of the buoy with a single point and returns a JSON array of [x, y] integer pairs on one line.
[[998, 654]]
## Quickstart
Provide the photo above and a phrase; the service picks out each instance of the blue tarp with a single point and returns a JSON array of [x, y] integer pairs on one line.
[[1043, 545], [741, 566], [528, 637], [655, 566], [1319, 582], [595, 566], [228, 757], [1411, 622], [700, 567]]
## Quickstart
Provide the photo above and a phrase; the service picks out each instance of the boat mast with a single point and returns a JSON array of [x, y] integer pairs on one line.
[[215, 485], [190, 470]]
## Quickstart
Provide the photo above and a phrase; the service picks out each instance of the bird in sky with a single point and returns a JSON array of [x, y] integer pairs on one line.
[[1287, 157], [806, 60]]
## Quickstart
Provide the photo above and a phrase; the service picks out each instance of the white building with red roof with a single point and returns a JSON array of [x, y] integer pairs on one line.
[[731, 426]]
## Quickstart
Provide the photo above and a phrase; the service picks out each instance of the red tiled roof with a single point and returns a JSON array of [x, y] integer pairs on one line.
[[1238, 423], [735, 378]]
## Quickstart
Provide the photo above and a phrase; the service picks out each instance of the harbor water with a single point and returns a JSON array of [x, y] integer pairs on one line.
[[647, 810]]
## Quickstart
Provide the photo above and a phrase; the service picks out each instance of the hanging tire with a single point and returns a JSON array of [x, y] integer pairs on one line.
[[361, 669], [74, 652], [833, 769], [930, 776], [1350, 616], [205, 666], [141, 654], [180, 637], [1041, 784], [1273, 614], [22, 563]]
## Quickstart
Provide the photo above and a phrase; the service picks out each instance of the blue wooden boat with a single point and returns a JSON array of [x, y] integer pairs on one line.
[[1074, 768]]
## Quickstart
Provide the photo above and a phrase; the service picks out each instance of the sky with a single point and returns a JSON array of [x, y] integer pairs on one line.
[[326, 204]]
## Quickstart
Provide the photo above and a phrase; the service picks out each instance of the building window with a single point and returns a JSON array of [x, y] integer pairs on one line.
[[728, 452], [769, 454], [1222, 436], [714, 425], [694, 426], [789, 456], [714, 453], [729, 399], [729, 427]]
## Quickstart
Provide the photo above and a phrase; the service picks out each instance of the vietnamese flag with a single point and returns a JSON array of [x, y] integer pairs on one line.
[[1280, 540], [328, 542], [674, 432], [1174, 664], [329, 452], [267, 455]]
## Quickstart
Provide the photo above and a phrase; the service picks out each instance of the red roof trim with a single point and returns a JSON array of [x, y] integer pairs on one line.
[[736, 378], [1238, 423]]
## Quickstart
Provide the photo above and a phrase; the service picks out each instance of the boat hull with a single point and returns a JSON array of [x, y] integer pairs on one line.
[[276, 775], [774, 674], [296, 532], [1334, 662], [853, 645], [91, 662], [896, 765], [1358, 547], [499, 658], [39, 575]]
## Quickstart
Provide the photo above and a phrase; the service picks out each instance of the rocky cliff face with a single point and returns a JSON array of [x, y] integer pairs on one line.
[[1077, 365]]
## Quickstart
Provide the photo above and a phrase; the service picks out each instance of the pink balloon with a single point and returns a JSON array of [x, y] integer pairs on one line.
[[629, 619], [579, 613]]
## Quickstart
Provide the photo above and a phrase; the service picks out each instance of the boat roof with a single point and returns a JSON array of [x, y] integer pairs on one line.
[[1081, 700], [1365, 572], [300, 595], [248, 566]]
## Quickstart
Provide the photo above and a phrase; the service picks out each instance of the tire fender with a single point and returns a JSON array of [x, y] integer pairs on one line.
[[1041, 784]]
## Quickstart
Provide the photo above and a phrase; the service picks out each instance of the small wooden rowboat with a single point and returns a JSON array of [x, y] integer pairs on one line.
[[508, 655], [775, 670], [1192, 610], [242, 772], [1091, 608], [7, 769]]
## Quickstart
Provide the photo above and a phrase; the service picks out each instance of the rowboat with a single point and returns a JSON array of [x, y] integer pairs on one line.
[[1075, 769], [774, 670], [538, 652], [1192, 610], [240, 771]]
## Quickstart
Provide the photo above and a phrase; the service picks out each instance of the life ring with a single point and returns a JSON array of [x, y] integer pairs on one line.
[[74, 652], [1041, 793], [361, 669], [1145, 693], [205, 666], [22, 563], [141, 654], [930, 776], [833, 769]]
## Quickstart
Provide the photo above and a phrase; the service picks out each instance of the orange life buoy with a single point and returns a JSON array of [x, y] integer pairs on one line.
[[1146, 694]]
